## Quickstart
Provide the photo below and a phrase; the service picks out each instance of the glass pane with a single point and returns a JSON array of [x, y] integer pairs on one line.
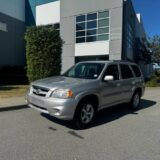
[[80, 18], [103, 22], [80, 26], [103, 14], [91, 39], [92, 16], [80, 34], [112, 70], [103, 30], [92, 24], [136, 70], [103, 37], [91, 32], [125, 71], [80, 40]]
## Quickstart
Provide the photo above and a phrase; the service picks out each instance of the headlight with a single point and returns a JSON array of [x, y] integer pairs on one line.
[[62, 93]]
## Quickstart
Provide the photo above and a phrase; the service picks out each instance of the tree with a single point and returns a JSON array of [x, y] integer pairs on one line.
[[154, 44], [43, 52]]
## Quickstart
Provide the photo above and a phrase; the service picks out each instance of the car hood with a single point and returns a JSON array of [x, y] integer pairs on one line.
[[59, 82]]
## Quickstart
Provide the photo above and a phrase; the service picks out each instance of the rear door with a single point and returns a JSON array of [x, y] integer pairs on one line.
[[127, 82]]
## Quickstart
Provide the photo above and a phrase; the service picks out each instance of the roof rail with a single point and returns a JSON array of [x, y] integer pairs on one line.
[[122, 61]]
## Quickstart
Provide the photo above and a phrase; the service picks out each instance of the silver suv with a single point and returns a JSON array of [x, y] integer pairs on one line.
[[86, 88]]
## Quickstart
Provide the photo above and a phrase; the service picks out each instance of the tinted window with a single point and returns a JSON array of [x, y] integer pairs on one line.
[[136, 71], [103, 14], [103, 37], [80, 33], [92, 16], [103, 30], [103, 22], [80, 40], [91, 32], [80, 26], [80, 18], [112, 70], [126, 71], [91, 24], [91, 39]]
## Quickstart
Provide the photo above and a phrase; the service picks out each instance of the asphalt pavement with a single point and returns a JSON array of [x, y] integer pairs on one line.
[[118, 134]]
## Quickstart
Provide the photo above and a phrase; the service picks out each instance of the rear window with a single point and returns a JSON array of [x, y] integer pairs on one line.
[[136, 70], [126, 71]]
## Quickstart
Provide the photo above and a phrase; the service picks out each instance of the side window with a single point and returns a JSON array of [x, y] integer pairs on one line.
[[126, 71], [112, 70], [136, 71]]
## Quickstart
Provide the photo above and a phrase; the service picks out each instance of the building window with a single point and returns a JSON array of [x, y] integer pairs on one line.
[[3, 27], [93, 27], [130, 37]]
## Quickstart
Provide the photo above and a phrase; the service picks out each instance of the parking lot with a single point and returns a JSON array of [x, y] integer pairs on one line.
[[118, 134]]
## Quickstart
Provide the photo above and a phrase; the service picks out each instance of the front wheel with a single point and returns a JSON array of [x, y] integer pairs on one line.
[[85, 114], [135, 101]]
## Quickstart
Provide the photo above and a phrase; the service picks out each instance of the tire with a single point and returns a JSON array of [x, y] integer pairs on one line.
[[85, 114], [135, 101]]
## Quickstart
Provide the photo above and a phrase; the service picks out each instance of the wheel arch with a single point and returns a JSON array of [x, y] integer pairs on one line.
[[88, 97], [138, 90]]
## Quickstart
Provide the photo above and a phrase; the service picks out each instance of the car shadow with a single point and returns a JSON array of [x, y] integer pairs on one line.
[[107, 115], [116, 112], [13, 108]]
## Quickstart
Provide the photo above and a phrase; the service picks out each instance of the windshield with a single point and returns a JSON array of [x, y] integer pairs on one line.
[[85, 70]]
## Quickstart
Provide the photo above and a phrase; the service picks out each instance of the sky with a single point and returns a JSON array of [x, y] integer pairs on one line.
[[150, 11]]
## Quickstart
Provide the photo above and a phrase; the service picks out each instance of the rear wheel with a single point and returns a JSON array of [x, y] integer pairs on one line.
[[85, 114], [135, 101]]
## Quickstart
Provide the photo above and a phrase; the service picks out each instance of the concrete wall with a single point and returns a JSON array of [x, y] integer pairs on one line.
[[67, 27], [31, 10], [116, 32], [48, 13]]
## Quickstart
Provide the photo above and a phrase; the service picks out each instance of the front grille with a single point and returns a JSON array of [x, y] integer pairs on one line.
[[40, 91]]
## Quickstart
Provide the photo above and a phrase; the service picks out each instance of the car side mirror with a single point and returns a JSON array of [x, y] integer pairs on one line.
[[108, 78]]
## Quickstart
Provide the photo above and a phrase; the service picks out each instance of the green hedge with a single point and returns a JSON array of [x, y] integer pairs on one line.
[[43, 52], [153, 82]]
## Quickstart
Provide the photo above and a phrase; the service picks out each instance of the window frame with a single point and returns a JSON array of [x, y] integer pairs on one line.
[[107, 33]]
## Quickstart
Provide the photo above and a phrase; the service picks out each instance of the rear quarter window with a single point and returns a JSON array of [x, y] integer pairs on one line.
[[126, 72], [136, 71]]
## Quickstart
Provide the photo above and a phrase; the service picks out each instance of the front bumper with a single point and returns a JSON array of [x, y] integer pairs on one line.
[[60, 108]]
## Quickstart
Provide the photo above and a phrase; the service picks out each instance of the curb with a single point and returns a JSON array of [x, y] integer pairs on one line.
[[12, 102]]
